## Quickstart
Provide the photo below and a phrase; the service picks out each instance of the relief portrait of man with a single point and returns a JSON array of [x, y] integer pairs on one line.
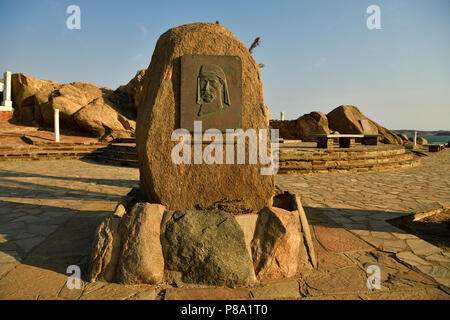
[[212, 90]]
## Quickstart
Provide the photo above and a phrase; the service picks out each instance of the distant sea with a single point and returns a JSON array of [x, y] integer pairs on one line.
[[431, 138]]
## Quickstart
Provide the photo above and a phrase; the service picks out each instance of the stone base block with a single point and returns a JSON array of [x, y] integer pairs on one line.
[[5, 115], [145, 243]]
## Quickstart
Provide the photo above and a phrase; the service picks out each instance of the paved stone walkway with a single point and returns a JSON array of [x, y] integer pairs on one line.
[[362, 204], [49, 211]]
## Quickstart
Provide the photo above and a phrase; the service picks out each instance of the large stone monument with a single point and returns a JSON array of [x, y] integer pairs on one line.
[[173, 97], [202, 222]]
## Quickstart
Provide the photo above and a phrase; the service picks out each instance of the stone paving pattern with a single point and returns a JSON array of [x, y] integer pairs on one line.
[[50, 209]]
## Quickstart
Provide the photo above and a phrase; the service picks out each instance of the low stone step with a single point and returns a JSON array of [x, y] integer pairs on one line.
[[131, 148], [350, 168], [125, 140], [117, 161], [302, 154], [305, 164], [116, 154]]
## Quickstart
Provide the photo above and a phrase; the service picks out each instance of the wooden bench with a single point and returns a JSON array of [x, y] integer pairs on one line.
[[436, 147], [326, 141]]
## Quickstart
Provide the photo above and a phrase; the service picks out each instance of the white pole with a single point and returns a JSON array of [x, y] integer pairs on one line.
[[415, 139], [7, 90], [282, 116], [57, 125], [8, 86]]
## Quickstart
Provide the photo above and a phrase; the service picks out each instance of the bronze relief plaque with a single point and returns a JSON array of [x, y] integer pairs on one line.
[[211, 92]]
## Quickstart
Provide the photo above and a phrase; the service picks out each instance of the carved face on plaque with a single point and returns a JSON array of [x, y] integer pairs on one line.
[[211, 92]]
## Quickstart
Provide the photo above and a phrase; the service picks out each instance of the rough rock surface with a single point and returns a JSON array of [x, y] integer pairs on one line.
[[347, 119], [206, 247], [134, 88], [422, 141], [105, 251], [404, 137], [287, 129], [141, 258], [190, 186], [26, 92], [104, 111], [100, 117], [312, 123], [278, 249]]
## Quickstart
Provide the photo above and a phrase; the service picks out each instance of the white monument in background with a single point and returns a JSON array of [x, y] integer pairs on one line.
[[6, 88]]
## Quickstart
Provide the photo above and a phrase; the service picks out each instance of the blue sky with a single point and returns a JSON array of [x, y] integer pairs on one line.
[[317, 54]]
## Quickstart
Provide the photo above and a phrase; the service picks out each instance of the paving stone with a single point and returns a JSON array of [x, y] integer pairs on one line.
[[6, 267], [365, 233], [11, 227], [23, 235], [403, 235], [359, 218], [438, 258], [148, 294], [438, 273], [394, 246], [41, 229], [389, 267], [338, 297], [345, 280], [330, 260], [411, 259], [412, 294], [377, 243], [338, 239], [28, 219], [421, 247], [355, 226], [30, 282], [381, 235], [277, 290], [26, 245], [71, 294], [110, 291], [207, 294]]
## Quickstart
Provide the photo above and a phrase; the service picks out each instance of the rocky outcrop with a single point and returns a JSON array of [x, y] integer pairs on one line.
[[422, 141], [82, 105], [302, 128], [349, 119], [287, 129], [26, 93], [404, 137], [101, 117], [206, 247], [312, 123], [133, 89]]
